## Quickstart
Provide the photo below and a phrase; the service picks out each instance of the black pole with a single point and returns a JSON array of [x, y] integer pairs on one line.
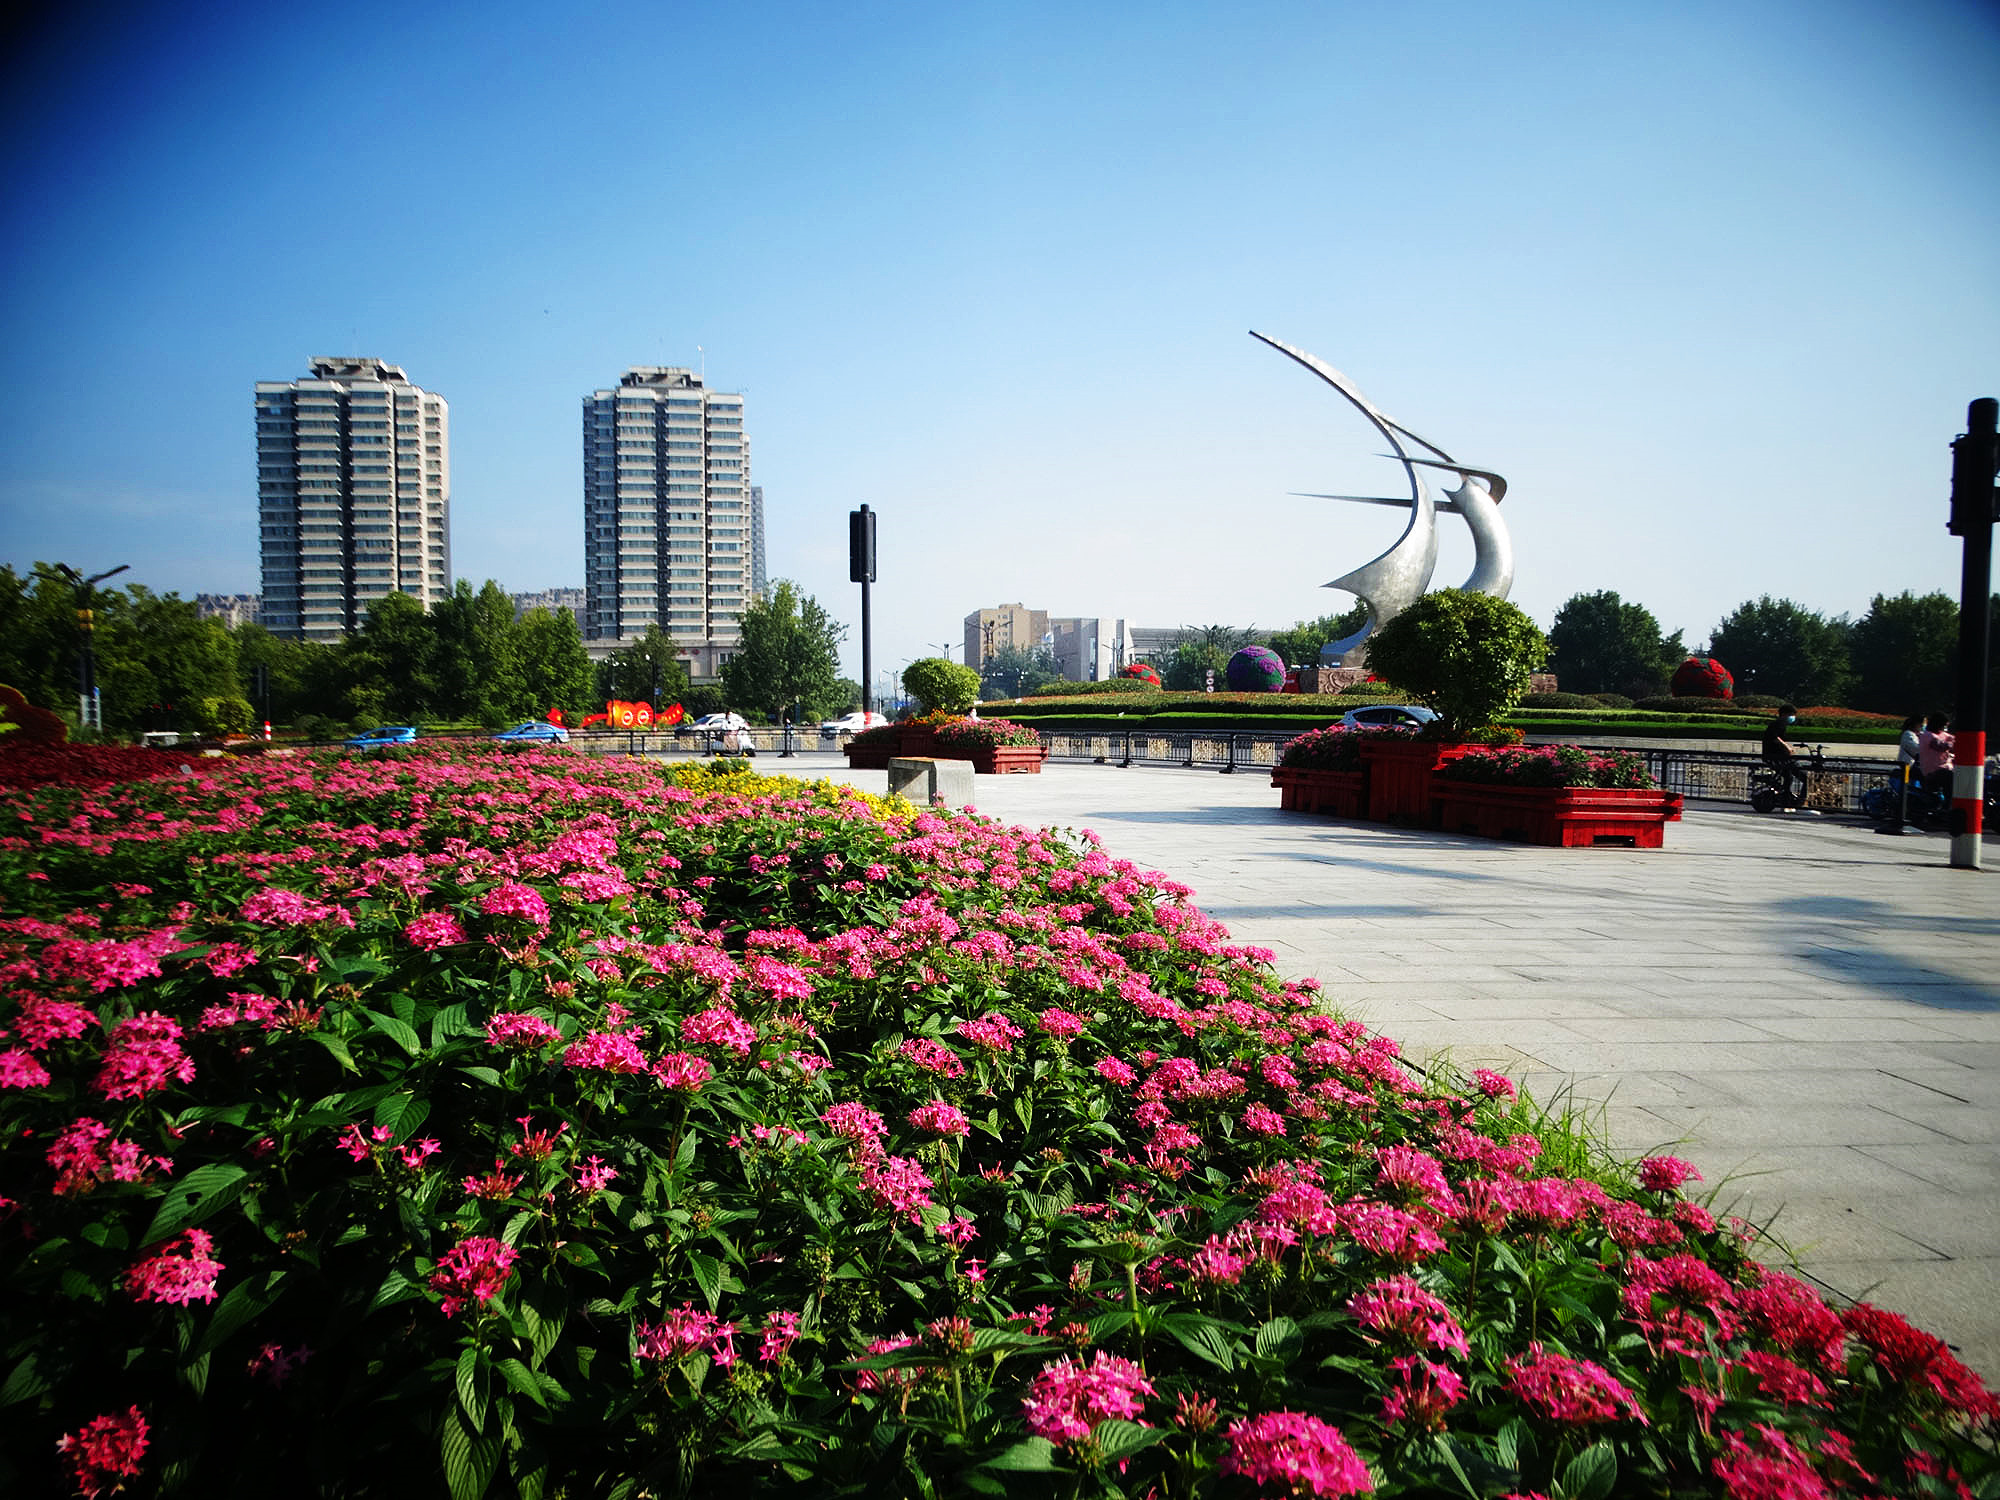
[[861, 570], [1975, 462]]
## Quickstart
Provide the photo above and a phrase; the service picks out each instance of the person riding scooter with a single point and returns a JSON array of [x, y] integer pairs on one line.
[[1782, 756]]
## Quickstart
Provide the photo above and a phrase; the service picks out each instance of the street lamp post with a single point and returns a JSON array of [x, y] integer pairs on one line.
[[89, 712]]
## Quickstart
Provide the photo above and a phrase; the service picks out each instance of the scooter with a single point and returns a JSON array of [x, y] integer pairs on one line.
[[1886, 804], [1771, 788]]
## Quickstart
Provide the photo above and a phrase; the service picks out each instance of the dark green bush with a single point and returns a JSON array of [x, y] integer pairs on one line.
[[1136, 685], [1561, 700], [1611, 700], [1735, 707]]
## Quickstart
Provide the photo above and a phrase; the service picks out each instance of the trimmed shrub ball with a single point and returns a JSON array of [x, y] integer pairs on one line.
[[1703, 677], [1144, 672], [1256, 669]]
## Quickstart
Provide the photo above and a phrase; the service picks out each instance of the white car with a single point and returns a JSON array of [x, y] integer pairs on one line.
[[1387, 715], [715, 724], [853, 723]]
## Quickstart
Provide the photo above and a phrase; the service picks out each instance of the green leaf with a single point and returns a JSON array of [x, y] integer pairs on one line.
[[194, 1198], [487, 1076], [999, 1338], [1107, 1323], [469, 1461], [402, 1113], [1279, 1339], [708, 1276], [1446, 1452], [23, 1381], [1115, 1439], [1036, 1453], [1207, 1341], [474, 1385], [396, 1287], [337, 1047], [238, 1306], [1591, 1474], [402, 1033], [519, 1377]]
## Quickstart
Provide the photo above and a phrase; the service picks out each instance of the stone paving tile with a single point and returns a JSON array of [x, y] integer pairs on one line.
[[1952, 1298]]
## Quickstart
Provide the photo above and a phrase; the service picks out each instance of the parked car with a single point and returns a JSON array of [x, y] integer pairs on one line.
[[1398, 715], [535, 731], [389, 734], [714, 724], [853, 723]]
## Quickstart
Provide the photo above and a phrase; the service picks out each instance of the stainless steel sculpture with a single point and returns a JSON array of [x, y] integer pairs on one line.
[[1397, 579]]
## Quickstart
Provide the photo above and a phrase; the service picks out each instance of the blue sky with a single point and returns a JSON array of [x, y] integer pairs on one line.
[[1711, 284]]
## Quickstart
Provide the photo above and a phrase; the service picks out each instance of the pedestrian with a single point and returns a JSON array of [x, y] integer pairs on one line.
[[1934, 754], [1906, 749]]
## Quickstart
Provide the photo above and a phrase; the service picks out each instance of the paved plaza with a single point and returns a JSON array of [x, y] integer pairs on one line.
[[1807, 1010]]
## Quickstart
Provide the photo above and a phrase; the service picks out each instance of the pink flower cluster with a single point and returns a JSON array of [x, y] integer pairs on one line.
[[933, 1056], [683, 1331], [181, 1271], [1570, 1390], [1398, 1305], [521, 1031], [1301, 1453], [85, 1155], [1068, 1399], [144, 1056], [104, 1452], [473, 1270], [434, 929], [510, 898], [939, 1118], [720, 1028]]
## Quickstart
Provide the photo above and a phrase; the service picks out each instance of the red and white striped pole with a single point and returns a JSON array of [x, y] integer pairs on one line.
[[1975, 461]]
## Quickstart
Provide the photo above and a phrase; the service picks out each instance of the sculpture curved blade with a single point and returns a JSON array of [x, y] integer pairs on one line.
[[1492, 547], [1397, 579]]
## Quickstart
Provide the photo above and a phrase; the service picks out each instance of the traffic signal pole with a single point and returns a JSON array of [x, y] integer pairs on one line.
[[861, 570], [1975, 463]]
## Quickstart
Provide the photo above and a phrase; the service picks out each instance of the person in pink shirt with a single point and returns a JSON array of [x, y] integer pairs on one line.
[[1934, 755]]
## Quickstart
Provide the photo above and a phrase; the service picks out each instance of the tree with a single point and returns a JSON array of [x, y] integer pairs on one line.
[[790, 657], [1601, 644], [1299, 646], [38, 638], [631, 672], [1013, 670], [556, 672], [1782, 649], [1468, 656], [157, 658], [478, 655], [1187, 666], [392, 663], [941, 685], [1904, 653]]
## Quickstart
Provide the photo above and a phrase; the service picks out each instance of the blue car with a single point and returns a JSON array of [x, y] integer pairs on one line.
[[391, 734], [535, 731]]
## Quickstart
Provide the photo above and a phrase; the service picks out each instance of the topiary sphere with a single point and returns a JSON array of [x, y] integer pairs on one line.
[[1256, 669], [1143, 672], [1703, 677]]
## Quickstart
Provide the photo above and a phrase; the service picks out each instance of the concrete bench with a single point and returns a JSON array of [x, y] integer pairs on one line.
[[929, 782]]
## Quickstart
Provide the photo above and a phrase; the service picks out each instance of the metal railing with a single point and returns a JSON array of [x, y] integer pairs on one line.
[[1835, 785]]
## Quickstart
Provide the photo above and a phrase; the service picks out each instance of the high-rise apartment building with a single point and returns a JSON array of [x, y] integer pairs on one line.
[[667, 519], [760, 580], [353, 495]]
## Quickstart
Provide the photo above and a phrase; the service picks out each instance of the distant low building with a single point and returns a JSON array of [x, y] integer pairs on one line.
[[551, 600], [992, 630], [232, 609]]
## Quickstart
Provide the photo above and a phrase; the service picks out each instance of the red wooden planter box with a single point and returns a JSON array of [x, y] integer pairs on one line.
[[1399, 778], [922, 741], [1003, 760], [1574, 817], [870, 757], [1344, 794]]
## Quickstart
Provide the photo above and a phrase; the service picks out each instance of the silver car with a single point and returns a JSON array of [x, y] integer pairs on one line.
[[1387, 715]]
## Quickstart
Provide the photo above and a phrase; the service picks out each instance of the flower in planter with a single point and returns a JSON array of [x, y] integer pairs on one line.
[[1703, 677], [1335, 748], [985, 734], [1255, 669], [1141, 671], [1550, 766]]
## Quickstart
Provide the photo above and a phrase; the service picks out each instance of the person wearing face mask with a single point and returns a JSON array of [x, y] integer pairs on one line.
[[1934, 761], [1781, 756]]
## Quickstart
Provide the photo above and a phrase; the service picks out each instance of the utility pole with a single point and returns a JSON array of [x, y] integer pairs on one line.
[[1975, 461], [861, 570]]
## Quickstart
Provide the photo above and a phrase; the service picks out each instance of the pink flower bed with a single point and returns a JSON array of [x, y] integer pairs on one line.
[[530, 1123]]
